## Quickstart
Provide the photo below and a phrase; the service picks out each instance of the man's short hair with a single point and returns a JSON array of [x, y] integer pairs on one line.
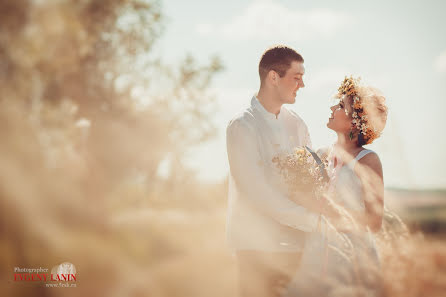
[[279, 59]]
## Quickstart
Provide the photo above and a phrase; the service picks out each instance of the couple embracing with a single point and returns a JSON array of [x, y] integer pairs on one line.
[[277, 238]]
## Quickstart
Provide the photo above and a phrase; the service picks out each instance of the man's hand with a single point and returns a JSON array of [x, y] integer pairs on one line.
[[307, 200]]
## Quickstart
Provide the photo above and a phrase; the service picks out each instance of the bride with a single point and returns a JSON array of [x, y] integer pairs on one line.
[[345, 260]]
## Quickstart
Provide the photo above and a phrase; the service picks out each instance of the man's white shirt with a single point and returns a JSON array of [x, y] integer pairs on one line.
[[260, 214]]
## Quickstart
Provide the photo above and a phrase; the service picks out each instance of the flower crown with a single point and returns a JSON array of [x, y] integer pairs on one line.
[[349, 87]]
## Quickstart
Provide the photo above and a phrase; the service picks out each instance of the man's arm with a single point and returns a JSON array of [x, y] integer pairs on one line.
[[246, 169]]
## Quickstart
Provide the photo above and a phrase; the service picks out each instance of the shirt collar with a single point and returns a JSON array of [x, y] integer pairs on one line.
[[255, 103]]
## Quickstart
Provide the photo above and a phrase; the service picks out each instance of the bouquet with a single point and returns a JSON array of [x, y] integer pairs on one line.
[[304, 174]]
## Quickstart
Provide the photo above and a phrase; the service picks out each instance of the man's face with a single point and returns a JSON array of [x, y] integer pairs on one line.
[[291, 82]]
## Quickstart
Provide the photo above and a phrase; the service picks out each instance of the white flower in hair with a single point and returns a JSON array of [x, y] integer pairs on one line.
[[363, 128]]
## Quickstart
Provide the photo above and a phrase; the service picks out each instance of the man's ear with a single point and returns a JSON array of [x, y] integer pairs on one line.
[[272, 77]]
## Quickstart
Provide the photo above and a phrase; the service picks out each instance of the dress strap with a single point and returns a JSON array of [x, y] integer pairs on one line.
[[359, 156]]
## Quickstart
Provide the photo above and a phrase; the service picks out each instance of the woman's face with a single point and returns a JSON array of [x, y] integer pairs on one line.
[[340, 121]]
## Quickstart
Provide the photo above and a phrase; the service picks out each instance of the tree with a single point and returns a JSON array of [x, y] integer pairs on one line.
[[94, 56], [85, 109]]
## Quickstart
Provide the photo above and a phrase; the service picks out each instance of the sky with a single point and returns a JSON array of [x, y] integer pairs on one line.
[[398, 47]]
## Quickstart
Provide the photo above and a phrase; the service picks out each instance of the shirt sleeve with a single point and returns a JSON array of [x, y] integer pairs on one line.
[[246, 169]]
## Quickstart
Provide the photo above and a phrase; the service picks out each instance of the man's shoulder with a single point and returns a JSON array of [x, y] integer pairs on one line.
[[243, 123], [244, 117]]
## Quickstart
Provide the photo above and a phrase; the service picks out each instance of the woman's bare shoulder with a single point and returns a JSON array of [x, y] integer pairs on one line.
[[372, 161]]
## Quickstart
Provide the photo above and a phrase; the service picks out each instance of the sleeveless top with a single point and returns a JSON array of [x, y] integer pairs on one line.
[[347, 188], [347, 185]]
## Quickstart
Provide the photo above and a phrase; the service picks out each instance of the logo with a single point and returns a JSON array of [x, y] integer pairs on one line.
[[61, 276], [65, 270]]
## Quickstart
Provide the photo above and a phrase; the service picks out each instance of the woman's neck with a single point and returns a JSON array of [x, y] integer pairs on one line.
[[347, 145]]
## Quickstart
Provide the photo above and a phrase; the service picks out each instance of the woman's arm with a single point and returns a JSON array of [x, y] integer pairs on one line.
[[370, 173]]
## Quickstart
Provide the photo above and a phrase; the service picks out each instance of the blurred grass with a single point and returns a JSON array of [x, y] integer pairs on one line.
[[79, 160], [423, 210]]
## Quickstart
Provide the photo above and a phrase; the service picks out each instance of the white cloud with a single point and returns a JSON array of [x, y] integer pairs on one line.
[[266, 19], [440, 62]]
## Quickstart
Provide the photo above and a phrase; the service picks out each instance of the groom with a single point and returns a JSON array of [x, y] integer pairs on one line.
[[265, 229]]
